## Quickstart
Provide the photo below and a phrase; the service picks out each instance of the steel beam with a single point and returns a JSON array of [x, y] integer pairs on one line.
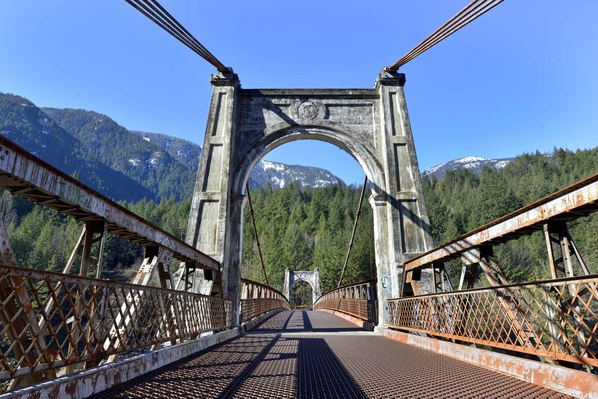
[[569, 203], [23, 174]]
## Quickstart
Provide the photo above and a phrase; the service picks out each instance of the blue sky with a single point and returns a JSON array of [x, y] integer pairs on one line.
[[521, 78]]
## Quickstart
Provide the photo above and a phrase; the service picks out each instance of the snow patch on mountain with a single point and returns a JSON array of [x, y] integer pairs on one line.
[[266, 172], [281, 175], [272, 165], [467, 160], [473, 163]]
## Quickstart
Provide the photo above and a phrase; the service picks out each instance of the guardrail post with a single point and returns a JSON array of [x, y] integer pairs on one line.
[[91, 228]]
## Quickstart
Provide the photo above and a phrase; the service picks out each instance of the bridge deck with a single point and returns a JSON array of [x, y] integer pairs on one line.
[[299, 354]]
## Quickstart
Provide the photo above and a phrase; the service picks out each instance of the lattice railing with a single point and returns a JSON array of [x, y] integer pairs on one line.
[[555, 319], [257, 299], [358, 300], [50, 321]]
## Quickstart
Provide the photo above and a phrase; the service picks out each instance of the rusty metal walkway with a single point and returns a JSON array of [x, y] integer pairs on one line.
[[301, 354]]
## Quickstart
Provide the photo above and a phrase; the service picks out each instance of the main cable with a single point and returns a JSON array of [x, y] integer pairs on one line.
[[465, 16], [340, 280], [154, 13], [471, 12], [153, 10], [257, 240]]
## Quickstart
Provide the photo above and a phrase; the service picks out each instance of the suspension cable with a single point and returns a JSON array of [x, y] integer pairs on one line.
[[468, 14], [155, 12], [257, 240], [365, 182]]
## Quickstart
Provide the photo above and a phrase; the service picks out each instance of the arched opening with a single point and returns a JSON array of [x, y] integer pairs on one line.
[[301, 296], [302, 227], [371, 125]]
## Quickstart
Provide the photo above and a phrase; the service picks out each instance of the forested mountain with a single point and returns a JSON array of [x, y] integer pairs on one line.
[[280, 175], [300, 227], [183, 151], [114, 146], [121, 164], [27, 125], [266, 172], [463, 201]]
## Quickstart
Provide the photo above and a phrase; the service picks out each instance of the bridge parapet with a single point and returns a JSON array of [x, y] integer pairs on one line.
[[66, 323], [358, 300], [556, 319], [258, 299]]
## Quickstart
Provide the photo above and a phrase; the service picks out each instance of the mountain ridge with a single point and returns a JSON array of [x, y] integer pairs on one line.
[[124, 164], [473, 163]]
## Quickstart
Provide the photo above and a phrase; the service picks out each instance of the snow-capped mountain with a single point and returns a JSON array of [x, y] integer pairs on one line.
[[281, 175], [473, 163], [122, 164], [277, 174]]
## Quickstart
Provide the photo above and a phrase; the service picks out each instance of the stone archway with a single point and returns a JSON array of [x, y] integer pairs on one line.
[[312, 278], [372, 125]]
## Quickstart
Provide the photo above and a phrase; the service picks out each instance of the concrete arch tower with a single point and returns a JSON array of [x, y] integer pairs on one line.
[[372, 125], [312, 278]]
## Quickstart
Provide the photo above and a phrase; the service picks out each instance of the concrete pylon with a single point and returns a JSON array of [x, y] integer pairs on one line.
[[292, 277], [372, 125]]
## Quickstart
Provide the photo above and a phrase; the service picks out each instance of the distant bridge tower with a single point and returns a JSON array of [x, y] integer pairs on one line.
[[292, 277], [372, 125]]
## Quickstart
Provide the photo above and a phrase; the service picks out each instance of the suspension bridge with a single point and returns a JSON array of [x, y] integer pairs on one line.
[[204, 331]]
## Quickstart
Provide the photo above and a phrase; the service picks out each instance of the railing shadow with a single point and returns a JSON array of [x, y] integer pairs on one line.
[[320, 374], [303, 322], [252, 366]]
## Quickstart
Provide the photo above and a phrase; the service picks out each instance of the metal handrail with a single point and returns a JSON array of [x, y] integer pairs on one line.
[[347, 286], [556, 319], [50, 320], [258, 299], [350, 300]]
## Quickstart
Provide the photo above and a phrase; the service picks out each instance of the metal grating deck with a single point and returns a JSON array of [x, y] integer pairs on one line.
[[298, 354]]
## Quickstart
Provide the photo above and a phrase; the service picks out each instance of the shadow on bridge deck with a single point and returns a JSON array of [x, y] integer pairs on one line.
[[298, 355], [305, 321]]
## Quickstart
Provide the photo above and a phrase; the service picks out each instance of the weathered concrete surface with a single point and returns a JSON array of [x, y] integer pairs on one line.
[[293, 277], [571, 382], [372, 125], [96, 380]]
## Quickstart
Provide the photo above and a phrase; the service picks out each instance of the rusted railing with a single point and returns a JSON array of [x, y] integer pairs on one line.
[[358, 300], [50, 321], [257, 299], [556, 319]]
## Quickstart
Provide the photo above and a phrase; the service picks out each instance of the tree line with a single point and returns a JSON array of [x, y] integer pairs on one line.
[[463, 201], [304, 228]]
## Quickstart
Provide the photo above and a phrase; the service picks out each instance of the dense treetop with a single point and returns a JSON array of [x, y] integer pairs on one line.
[[304, 228]]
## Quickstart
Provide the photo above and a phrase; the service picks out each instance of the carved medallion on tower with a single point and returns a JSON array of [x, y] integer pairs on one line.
[[310, 110]]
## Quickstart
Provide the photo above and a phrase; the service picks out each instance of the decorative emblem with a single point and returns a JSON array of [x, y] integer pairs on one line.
[[309, 110], [385, 280]]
